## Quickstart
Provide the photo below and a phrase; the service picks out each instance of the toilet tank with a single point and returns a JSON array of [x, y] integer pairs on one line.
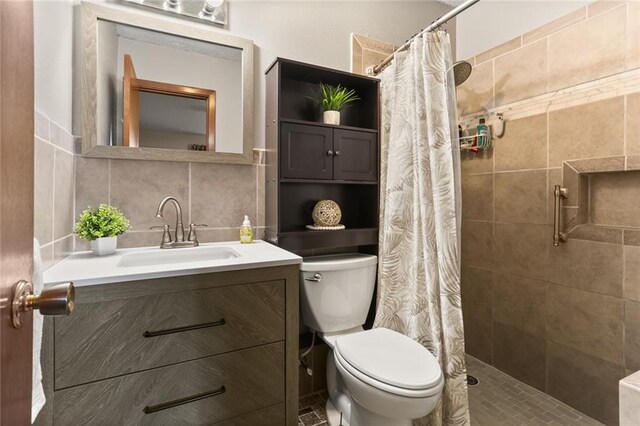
[[336, 290]]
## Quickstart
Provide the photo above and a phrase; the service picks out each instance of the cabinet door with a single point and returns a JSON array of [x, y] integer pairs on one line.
[[356, 155], [306, 152]]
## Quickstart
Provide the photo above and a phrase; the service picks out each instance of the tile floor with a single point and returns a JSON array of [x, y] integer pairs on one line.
[[498, 399]]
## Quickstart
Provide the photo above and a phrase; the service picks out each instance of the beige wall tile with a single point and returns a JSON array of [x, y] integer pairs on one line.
[[632, 237], [601, 234], [61, 138], [476, 94], [598, 165], [477, 197], [520, 355], [46, 255], [587, 131], [63, 194], [219, 234], [632, 273], [556, 25], [137, 187], [521, 197], [587, 265], [586, 383], [222, 194], [579, 53], [600, 6], [41, 126], [524, 144], [62, 248], [477, 239], [521, 73], [476, 162], [588, 322], [633, 162], [633, 123], [43, 191], [519, 303], [499, 50], [615, 198], [633, 35], [143, 238], [632, 335], [521, 250], [92, 182], [476, 305]]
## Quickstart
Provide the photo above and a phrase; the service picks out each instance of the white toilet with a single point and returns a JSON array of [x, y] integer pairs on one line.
[[376, 377]]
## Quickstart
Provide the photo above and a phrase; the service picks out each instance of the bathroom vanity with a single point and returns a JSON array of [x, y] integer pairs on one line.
[[154, 340]]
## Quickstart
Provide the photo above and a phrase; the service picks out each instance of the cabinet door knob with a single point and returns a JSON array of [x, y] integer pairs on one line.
[[330, 152], [337, 153]]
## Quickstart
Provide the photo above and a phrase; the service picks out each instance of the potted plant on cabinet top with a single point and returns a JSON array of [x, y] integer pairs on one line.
[[333, 99], [101, 228]]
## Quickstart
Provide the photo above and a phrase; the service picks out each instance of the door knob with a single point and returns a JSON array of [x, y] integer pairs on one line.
[[55, 300]]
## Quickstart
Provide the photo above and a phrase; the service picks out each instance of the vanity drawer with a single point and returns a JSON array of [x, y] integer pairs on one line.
[[106, 339], [238, 383]]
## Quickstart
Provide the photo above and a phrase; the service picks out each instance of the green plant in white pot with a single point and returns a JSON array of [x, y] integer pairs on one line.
[[101, 228], [333, 99]]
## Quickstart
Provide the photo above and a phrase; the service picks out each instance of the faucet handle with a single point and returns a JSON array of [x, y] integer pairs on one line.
[[192, 233], [166, 236]]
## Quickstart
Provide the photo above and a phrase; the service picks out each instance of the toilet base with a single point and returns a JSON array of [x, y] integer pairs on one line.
[[334, 416]]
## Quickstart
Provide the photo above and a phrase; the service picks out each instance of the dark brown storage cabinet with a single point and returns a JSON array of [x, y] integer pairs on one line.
[[308, 161]]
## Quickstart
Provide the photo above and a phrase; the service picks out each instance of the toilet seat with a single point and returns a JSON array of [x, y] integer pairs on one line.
[[390, 361]]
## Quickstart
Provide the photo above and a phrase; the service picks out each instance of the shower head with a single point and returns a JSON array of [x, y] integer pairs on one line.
[[461, 72]]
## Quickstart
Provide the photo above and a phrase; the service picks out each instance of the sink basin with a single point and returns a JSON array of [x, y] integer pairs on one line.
[[180, 255]]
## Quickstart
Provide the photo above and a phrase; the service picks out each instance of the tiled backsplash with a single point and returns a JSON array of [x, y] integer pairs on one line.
[[53, 189], [562, 319], [218, 195]]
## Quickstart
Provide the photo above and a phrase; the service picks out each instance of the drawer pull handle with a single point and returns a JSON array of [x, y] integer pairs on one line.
[[186, 328], [176, 402]]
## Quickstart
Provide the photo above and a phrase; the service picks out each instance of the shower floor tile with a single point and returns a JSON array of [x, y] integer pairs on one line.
[[498, 399]]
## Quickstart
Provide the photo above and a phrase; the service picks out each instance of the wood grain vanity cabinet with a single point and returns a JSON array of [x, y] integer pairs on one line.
[[209, 349]]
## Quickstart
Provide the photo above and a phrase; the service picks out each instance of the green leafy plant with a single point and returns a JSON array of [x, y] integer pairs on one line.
[[105, 221], [334, 98]]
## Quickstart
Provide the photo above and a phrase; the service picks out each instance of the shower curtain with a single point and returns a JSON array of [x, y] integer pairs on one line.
[[419, 243]]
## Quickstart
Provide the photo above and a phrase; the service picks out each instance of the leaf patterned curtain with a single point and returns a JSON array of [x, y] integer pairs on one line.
[[419, 243]]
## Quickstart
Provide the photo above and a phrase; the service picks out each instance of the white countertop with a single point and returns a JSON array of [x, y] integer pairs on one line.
[[83, 268]]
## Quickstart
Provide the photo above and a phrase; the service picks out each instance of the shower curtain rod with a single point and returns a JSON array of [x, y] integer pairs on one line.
[[435, 24]]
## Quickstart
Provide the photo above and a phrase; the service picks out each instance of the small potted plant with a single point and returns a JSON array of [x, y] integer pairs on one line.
[[101, 228], [333, 99]]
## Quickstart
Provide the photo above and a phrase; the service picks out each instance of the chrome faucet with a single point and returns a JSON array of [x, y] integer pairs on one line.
[[179, 224], [192, 240]]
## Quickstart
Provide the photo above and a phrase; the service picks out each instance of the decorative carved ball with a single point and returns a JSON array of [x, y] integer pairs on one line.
[[326, 213]]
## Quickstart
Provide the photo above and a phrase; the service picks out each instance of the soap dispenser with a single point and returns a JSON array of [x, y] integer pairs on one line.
[[246, 231]]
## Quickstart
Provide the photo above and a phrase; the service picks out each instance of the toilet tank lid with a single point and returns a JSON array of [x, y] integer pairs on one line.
[[336, 262], [391, 358]]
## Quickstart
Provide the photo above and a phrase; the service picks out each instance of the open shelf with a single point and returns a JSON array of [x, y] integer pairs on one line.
[[332, 126], [304, 240]]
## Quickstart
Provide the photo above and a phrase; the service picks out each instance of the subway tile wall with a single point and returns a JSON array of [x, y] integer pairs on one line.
[[565, 319], [53, 189]]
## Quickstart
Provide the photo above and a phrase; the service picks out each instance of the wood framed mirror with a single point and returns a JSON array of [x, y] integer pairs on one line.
[[200, 73], [162, 121]]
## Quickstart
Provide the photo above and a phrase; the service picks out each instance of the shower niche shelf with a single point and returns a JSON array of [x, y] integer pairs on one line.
[[308, 161]]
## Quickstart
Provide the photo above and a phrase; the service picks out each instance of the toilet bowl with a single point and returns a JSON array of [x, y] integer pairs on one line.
[[375, 377]]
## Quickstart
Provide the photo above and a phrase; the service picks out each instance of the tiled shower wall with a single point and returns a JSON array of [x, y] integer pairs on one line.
[[565, 319], [218, 195], [53, 189]]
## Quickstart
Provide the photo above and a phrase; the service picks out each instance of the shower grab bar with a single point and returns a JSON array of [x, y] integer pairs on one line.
[[559, 194]]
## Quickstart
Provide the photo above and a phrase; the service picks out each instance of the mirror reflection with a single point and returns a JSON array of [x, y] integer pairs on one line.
[[164, 91]]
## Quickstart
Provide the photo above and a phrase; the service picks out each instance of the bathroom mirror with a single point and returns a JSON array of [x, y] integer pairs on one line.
[[158, 89]]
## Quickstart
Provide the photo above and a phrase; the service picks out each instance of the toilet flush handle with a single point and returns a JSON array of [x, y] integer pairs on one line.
[[316, 277]]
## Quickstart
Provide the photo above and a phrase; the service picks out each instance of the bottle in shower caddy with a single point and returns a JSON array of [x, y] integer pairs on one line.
[[482, 132]]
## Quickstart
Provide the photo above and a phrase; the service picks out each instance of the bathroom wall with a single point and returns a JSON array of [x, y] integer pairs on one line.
[[565, 319], [216, 194], [54, 159]]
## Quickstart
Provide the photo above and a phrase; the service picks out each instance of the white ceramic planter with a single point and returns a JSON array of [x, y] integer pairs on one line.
[[104, 246], [331, 117]]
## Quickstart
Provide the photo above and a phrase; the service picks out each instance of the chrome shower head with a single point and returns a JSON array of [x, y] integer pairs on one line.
[[461, 72]]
